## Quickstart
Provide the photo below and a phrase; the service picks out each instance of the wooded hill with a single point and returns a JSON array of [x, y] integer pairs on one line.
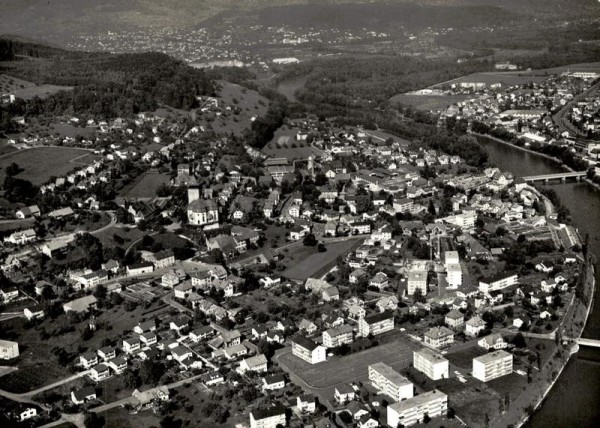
[[104, 84]]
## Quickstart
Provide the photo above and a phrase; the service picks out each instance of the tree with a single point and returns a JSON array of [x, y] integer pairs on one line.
[[519, 340], [151, 372], [12, 170], [92, 420], [310, 240]]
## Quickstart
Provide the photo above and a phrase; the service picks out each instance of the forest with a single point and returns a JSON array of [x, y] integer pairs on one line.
[[373, 80], [110, 85]]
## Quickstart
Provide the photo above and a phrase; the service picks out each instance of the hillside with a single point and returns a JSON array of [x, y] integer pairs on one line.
[[62, 20], [104, 84]]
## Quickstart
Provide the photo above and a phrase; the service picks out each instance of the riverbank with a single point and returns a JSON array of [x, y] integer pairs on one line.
[[592, 287], [534, 395], [533, 152]]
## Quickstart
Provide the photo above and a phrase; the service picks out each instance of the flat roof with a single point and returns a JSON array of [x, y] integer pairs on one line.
[[390, 374], [492, 356], [417, 400], [429, 355]]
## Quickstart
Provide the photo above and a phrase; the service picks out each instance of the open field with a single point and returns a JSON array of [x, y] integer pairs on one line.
[[464, 358], [145, 185], [322, 378], [125, 236], [39, 164], [308, 262], [249, 103], [27, 90], [428, 102], [290, 150]]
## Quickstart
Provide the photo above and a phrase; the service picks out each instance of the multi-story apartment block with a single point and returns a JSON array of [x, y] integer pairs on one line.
[[493, 365], [390, 382], [432, 364]]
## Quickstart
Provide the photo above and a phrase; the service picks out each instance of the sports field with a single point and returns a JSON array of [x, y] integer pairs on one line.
[[39, 164]]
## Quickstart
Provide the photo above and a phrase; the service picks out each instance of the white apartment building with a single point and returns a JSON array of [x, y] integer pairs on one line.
[[497, 282], [8, 350], [432, 364], [493, 365], [454, 274], [417, 280], [376, 324], [390, 382], [338, 336], [308, 350], [409, 412]]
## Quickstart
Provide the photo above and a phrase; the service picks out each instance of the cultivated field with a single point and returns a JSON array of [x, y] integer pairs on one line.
[[145, 185], [27, 90], [307, 262], [39, 164]]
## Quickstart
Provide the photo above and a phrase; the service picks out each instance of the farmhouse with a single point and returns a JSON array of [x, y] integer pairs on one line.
[[53, 248], [140, 269], [26, 212], [22, 237]]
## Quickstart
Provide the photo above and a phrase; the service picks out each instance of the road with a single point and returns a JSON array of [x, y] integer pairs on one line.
[[26, 397], [69, 237], [565, 124]]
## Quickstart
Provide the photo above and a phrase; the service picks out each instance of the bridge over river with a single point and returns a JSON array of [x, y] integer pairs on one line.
[[563, 176]]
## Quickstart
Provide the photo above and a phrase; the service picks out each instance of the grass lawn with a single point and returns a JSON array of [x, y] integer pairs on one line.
[[145, 185], [322, 378], [464, 358], [27, 90], [428, 102], [304, 262], [473, 403], [127, 235], [6, 226], [39, 164], [248, 103]]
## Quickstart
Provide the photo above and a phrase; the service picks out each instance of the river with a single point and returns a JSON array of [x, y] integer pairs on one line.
[[575, 399]]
